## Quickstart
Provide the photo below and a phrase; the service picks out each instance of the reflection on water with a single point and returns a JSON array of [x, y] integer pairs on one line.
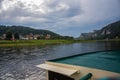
[[19, 63]]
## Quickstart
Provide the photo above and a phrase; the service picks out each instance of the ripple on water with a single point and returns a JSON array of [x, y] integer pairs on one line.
[[20, 63]]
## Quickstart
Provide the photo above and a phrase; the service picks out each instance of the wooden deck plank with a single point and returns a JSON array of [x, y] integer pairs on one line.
[[62, 70]]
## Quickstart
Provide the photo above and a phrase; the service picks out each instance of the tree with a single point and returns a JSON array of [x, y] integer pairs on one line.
[[8, 35], [16, 35]]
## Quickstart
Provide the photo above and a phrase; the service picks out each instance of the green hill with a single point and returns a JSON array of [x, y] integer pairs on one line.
[[25, 30]]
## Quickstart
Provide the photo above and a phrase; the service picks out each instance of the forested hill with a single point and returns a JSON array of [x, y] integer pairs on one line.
[[110, 31], [25, 30]]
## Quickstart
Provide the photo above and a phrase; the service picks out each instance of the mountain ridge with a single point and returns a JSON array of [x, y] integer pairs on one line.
[[110, 31]]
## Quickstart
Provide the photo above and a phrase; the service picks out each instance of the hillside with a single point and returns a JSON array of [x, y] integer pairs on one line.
[[110, 31], [25, 30]]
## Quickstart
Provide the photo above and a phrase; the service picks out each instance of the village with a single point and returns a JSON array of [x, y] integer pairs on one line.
[[29, 36]]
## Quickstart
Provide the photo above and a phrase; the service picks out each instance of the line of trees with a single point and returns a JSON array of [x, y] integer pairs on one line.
[[10, 35], [63, 37]]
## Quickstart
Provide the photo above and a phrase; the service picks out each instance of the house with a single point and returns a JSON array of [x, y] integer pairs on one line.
[[29, 36], [48, 36], [36, 36], [13, 37], [4, 36]]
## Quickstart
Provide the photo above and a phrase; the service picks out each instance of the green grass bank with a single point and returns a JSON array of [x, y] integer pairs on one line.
[[17, 43], [8, 43]]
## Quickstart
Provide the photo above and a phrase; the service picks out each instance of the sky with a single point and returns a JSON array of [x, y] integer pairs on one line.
[[65, 17]]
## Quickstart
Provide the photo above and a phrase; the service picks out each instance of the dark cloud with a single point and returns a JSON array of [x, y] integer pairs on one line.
[[1, 1], [13, 15], [73, 9]]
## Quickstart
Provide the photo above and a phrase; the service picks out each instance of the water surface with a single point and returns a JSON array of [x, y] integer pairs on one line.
[[20, 63]]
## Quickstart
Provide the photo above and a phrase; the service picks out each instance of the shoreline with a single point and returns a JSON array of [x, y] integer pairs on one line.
[[20, 43]]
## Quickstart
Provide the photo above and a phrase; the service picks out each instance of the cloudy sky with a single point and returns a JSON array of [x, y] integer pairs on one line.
[[66, 17]]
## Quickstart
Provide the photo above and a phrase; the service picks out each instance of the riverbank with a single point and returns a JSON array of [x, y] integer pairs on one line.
[[97, 40], [19, 43]]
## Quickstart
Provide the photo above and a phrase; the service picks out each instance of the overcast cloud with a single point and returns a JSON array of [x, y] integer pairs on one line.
[[67, 17]]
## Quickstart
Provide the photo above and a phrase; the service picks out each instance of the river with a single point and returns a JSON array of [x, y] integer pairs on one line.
[[19, 63]]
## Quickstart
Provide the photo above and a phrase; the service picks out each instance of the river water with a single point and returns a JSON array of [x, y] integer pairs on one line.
[[20, 63]]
